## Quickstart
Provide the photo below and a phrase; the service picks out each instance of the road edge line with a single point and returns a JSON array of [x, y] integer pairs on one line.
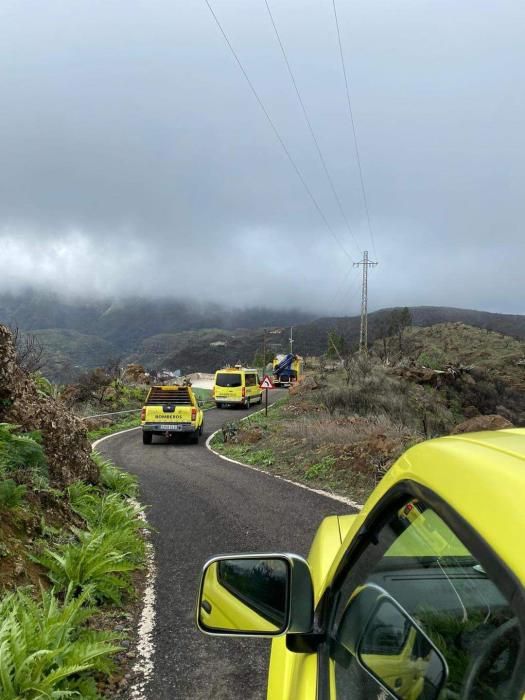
[[145, 647], [320, 492], [106, 437]]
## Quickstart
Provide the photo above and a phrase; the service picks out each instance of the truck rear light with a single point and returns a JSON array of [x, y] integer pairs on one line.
[[243, 392], [143, 414], [194, 414]]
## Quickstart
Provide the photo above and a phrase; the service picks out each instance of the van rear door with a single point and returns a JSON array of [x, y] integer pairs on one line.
[[228, 386]]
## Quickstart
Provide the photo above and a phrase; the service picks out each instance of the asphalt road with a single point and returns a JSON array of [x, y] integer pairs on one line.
[[201, 505]]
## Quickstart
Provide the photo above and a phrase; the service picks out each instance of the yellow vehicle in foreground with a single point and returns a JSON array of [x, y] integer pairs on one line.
[[419, 596], [171, 410], [236, 386]]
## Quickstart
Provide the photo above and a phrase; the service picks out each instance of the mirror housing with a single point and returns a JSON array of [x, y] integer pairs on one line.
[[390, 645], [264, 595]]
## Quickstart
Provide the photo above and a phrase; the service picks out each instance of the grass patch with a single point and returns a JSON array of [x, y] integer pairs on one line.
[[320, 469]]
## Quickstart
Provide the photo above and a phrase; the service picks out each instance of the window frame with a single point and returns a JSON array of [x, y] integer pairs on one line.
[[496, 569]]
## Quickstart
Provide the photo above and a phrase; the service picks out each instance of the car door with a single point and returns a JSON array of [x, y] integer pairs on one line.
[[456, 600]]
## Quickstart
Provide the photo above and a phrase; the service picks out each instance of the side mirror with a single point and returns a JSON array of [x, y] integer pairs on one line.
[[256, 595], [389, 644]]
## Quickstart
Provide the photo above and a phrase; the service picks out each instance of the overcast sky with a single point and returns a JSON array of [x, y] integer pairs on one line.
[[135, 159]]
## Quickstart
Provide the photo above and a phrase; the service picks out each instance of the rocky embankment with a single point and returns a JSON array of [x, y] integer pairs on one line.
[[64, 437]]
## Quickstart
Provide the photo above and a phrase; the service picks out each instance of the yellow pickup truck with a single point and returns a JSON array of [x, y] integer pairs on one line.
[[419, 596], [171, 410]]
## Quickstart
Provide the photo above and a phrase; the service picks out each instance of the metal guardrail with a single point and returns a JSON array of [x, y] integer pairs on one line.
[[113, 413]]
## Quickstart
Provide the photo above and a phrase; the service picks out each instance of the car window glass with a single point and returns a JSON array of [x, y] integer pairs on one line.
[[228, 380], [262, 585], [250, 380], [421, 563]]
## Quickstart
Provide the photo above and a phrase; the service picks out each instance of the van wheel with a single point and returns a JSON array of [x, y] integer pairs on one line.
[[195, 437], [146, 438], [218, 405]]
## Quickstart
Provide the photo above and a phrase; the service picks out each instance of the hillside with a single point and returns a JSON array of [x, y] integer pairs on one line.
[[128, 321], [182, 335], [459, 345]]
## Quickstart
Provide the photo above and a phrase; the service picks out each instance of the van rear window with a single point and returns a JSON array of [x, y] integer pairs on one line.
[[228, 380]]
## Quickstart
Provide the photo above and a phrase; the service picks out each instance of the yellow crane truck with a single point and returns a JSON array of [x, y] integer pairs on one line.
[[171, 410]]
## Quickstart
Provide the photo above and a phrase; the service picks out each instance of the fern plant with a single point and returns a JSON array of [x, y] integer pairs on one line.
[[111, 513], [45, 651], [98, 562], [115, 479], [21, 452], [11, 495]]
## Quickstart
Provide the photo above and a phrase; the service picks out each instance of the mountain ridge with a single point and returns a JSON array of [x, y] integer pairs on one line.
[[178, 334]]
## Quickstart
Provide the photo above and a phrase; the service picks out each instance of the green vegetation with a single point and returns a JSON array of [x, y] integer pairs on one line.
[[22, 454], [94, 562], [101, 557], [114, 479], [46, 651], [433, 358], [11, 495], [320, 469], [84, 543]]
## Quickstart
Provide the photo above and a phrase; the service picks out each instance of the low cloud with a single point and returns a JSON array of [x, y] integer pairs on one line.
[[135, 160]]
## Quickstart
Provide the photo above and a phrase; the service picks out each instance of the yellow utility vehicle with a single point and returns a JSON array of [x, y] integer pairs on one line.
[[236, 386], [419, 596], [171, 410]]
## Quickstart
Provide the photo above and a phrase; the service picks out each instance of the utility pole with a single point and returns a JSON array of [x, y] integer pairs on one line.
[[291, 340], [363, 335]]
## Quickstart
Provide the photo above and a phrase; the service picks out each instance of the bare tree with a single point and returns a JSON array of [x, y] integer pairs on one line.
[[29, 350]]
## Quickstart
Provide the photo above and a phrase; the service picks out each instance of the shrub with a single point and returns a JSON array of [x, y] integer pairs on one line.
[[11, 495], [433, 358], [45, 650]]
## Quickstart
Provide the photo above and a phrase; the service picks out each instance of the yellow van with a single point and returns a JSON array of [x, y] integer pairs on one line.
[[237, 386]]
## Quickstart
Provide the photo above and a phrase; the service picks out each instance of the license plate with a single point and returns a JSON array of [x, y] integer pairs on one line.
[[171, 427]]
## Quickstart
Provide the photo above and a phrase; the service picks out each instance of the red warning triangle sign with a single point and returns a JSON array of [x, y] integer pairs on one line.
[[266, 383]]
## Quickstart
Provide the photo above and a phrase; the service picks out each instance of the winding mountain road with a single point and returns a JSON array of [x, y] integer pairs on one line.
[[201, 505]]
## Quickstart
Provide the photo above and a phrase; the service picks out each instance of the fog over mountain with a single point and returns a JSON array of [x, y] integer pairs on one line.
[[136, 161]]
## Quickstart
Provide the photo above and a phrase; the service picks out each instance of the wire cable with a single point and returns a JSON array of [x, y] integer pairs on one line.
[[363, 190], [276, 132], [310, 128]]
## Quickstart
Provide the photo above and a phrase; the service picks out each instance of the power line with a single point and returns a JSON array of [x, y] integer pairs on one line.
[[310, 128], [363, 190], [276, 132]]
